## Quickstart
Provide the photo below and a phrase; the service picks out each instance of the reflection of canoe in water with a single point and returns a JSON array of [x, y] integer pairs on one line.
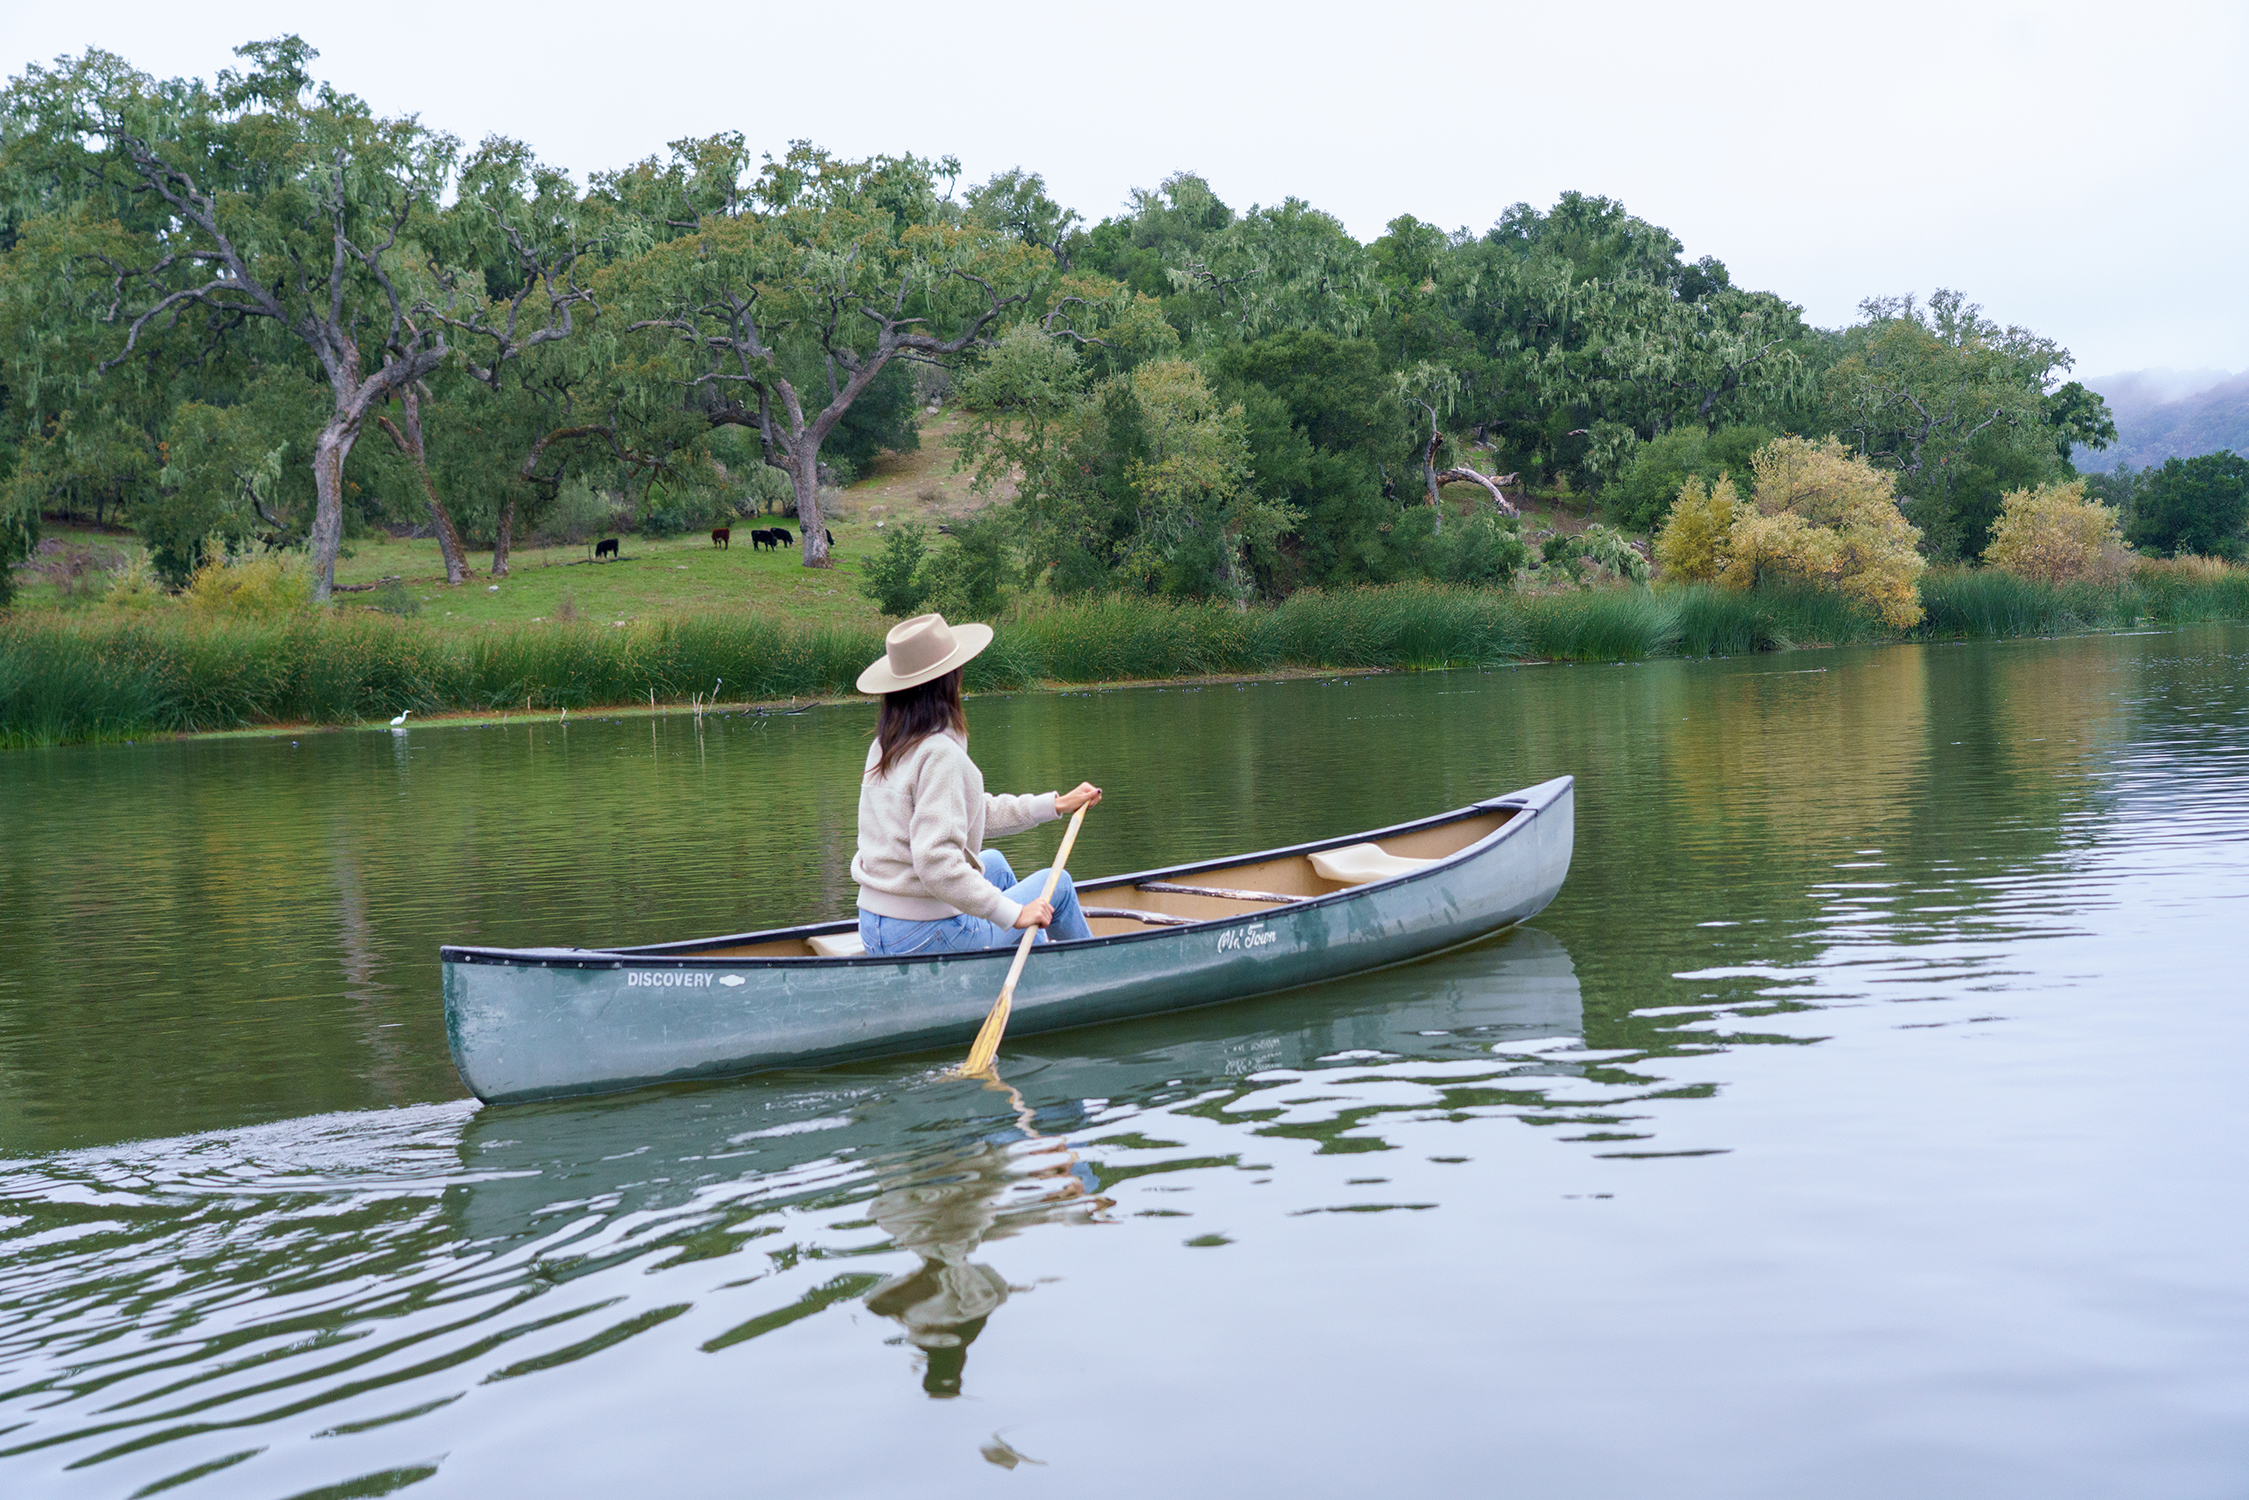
[[795, 1134], [543, 1022]]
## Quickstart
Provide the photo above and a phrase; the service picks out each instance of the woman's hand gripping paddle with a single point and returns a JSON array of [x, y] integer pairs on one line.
[[987, 1045]]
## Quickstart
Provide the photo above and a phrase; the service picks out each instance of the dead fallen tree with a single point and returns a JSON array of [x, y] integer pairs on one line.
[[1490, 482]]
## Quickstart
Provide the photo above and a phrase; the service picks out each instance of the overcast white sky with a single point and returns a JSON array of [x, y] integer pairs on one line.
[[2077, 168]]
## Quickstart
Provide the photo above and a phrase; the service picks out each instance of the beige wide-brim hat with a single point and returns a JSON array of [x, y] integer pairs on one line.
[[921, 650]]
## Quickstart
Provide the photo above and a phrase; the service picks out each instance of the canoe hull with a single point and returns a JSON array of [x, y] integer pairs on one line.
[[543, 1023]]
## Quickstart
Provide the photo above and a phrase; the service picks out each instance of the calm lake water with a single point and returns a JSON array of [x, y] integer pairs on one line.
[[1867, 1118]]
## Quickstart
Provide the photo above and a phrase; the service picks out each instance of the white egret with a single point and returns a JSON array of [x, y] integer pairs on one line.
[[400, 721]]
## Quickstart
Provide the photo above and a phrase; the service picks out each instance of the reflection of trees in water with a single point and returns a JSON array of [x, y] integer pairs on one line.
[[943, 1205], [1812, 758], [2057, 714], [1869, 804]]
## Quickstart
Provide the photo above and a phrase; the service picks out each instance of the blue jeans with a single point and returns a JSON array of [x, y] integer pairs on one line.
[[896, 937]]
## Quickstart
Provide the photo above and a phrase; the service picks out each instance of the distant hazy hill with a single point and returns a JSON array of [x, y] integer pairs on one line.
[[2164, 414]]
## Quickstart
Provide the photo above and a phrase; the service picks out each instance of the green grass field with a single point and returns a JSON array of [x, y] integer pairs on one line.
[[650, 578], [682, 575]]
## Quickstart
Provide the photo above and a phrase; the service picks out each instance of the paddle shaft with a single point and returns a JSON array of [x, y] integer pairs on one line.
[[987, 1044]]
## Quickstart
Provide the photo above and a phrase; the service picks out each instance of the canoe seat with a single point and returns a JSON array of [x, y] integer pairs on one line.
[[838, 945], [1360, 863]]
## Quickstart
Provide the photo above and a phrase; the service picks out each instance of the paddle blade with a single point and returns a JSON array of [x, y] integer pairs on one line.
[[986, 1048]]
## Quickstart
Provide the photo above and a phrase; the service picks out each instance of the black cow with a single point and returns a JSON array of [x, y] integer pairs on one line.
[[781, 535], [607, 547], [762, 538]]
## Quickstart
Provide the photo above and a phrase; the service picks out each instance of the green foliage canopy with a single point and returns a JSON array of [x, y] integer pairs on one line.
[[1956, 406], [209, 291], [2194, 506], [248, 219]]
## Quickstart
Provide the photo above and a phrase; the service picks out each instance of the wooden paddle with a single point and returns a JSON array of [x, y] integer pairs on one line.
[[987, 1045]]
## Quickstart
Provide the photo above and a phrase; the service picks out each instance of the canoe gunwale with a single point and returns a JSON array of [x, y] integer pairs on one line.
[[1527, 803]]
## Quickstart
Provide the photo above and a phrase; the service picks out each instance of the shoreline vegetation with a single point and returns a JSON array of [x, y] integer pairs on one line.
[[68, 679], [1183, 442]]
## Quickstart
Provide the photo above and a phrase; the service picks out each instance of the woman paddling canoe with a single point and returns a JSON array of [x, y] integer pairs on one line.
[[926, 883]]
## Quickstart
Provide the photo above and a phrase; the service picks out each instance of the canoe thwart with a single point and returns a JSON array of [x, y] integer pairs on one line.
[[1168, 888], [1153, 919]]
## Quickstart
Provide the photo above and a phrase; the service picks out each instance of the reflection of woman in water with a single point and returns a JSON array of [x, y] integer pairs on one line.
[[942, 1206]]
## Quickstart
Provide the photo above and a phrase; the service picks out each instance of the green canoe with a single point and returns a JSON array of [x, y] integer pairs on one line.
[[539, 1023]]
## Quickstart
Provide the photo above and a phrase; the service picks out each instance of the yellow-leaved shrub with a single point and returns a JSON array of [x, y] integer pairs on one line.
[[1816, 516], [2054, 534], [1692, 545], [260, 587]]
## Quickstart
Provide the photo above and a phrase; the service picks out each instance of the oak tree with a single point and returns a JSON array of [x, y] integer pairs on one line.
[[782, 313]]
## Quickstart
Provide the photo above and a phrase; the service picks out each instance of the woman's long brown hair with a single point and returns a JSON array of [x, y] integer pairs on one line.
[[913, 714]]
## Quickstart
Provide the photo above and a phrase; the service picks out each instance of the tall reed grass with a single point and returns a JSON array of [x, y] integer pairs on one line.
[[81, 677], [1987, 603]]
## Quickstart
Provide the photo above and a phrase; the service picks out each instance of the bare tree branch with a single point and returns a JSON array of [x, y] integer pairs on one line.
[[1490, 482]]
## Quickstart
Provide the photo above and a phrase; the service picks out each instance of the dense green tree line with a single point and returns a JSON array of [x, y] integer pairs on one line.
[[257, 309], [2183, 506]]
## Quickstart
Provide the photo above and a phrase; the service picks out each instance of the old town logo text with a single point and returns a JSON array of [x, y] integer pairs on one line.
[[1244, 938]]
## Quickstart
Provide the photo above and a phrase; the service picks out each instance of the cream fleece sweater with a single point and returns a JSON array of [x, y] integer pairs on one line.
[[922, 828]]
